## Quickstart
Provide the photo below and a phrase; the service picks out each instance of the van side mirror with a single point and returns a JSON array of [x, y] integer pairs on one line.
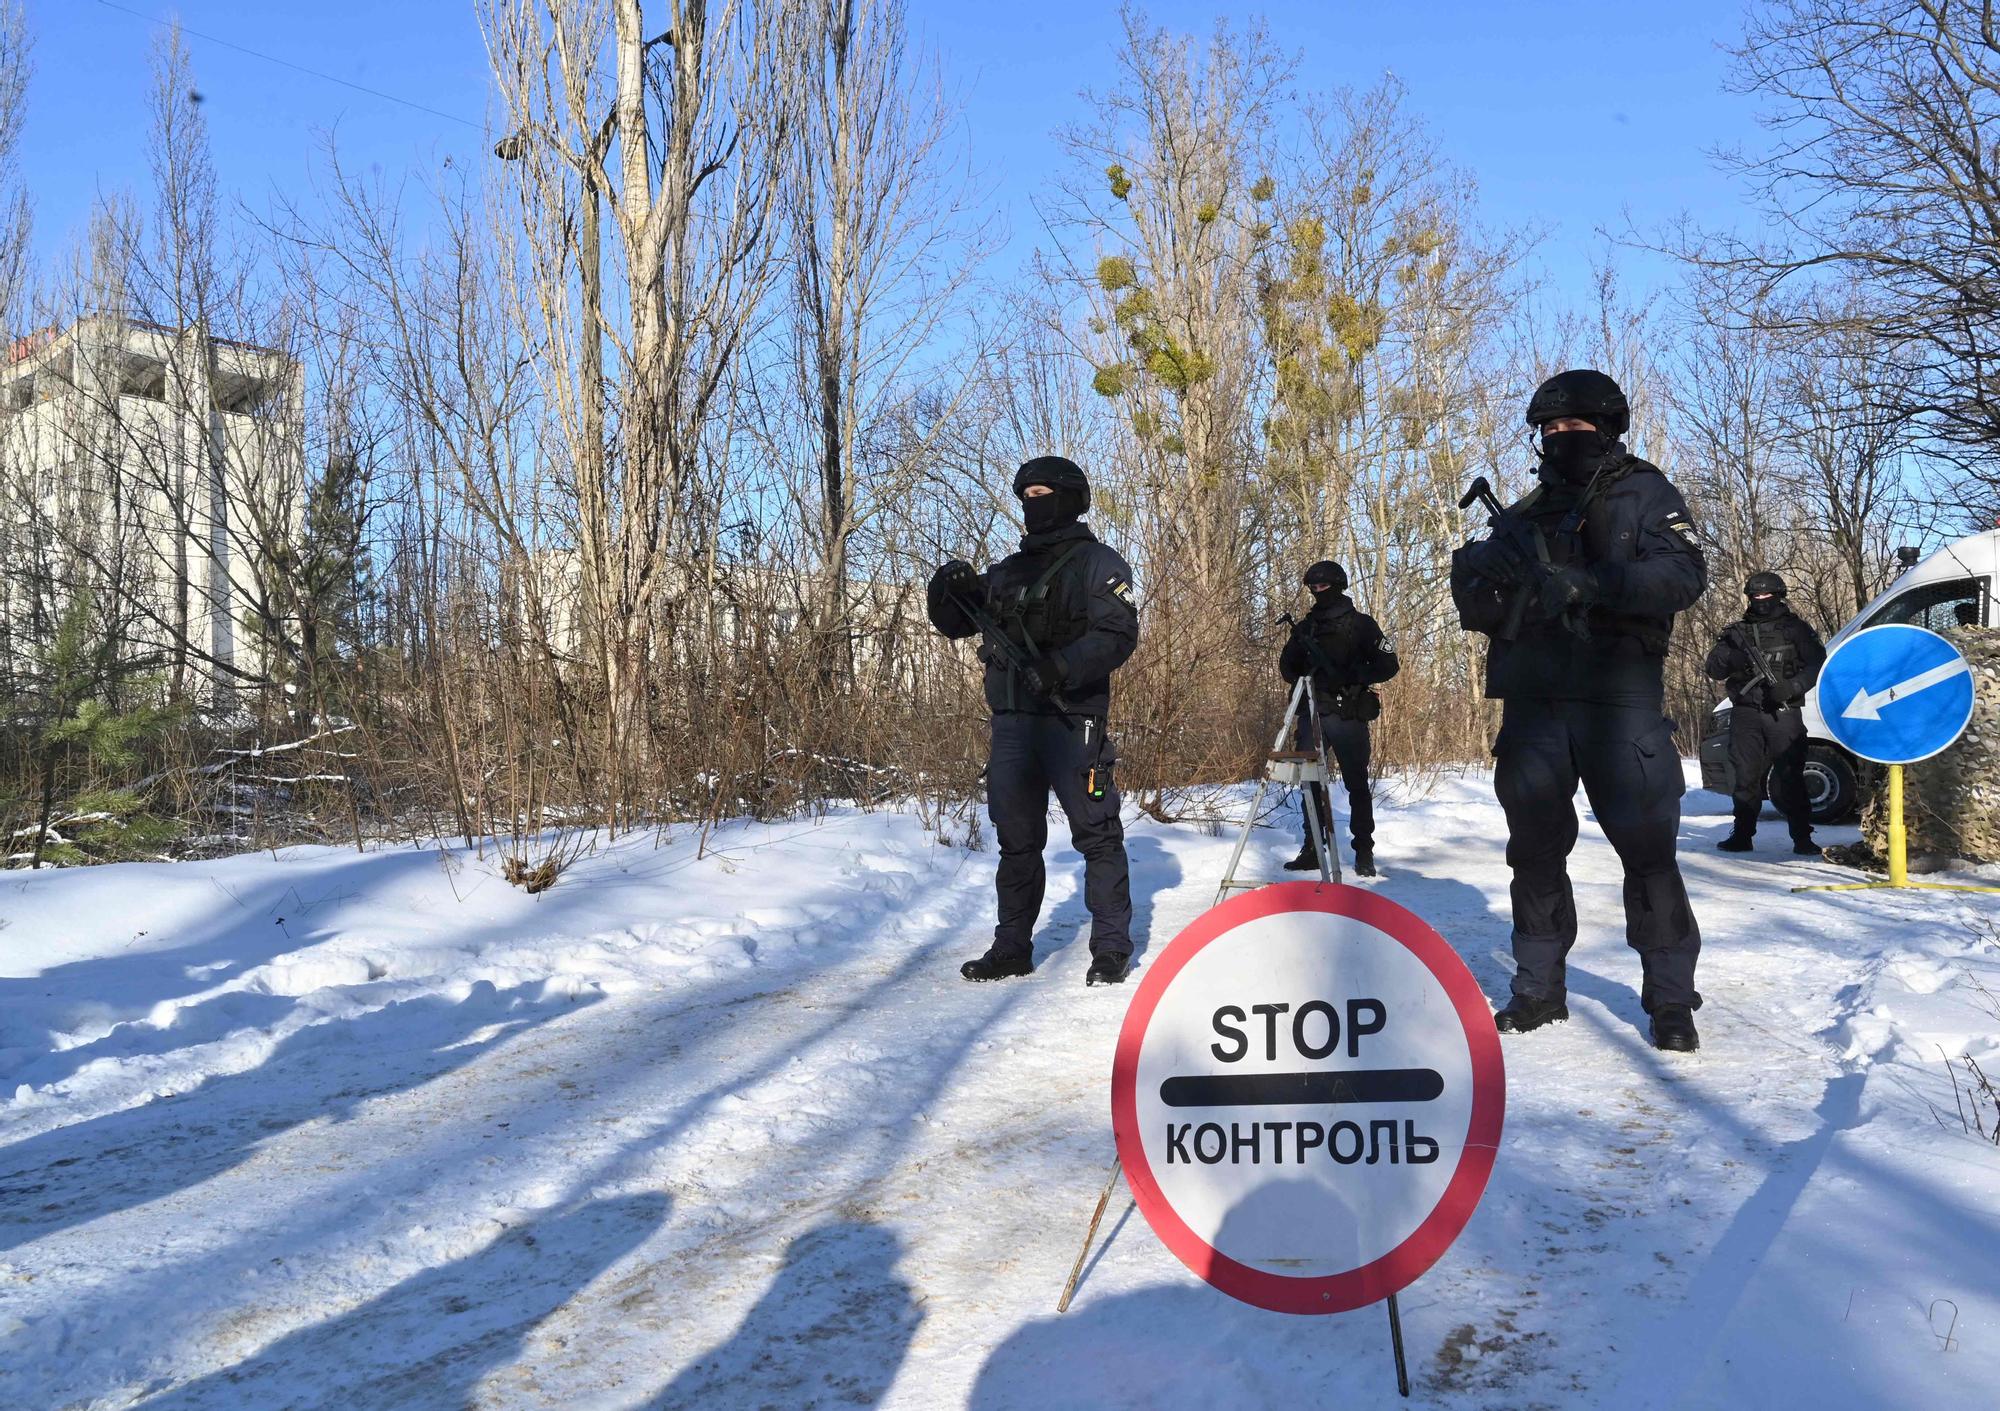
[[1908, 556]]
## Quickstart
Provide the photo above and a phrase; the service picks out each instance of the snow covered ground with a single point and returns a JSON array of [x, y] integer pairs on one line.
[[333, 1130]]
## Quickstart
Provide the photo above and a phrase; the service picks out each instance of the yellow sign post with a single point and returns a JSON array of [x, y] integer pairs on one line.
[[1899, 855]]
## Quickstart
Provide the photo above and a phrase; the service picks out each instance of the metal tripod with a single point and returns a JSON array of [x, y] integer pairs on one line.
[[1298, 768]]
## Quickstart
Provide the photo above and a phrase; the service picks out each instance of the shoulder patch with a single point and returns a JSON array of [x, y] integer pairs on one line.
[[1678, 522], [1121, 589]]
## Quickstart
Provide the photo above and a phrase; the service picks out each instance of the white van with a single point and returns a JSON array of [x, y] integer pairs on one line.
[[1951, 588]]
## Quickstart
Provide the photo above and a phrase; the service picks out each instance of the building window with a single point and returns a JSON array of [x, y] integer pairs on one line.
[[144, 377]]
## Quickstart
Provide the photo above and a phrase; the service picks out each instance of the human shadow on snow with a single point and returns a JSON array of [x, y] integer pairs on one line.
[[1153, 870], [86, 1171], [429, 1341], [1186, 1345], [832, 1329]]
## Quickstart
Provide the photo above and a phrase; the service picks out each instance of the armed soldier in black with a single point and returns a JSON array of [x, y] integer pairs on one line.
[[1056, 620], [1343, 650], [1768, 661], [1578, 587]]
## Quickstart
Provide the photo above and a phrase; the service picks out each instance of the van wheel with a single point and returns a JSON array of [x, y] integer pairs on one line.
[[1830, 784]]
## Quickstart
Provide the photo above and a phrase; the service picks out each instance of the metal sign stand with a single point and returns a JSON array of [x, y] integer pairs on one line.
[[1090, 1238], [1299, 768]]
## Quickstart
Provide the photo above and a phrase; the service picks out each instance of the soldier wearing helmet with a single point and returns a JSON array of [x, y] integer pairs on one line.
[[1057, 619], [1578, 587], [1767, 662], [1343, 650]]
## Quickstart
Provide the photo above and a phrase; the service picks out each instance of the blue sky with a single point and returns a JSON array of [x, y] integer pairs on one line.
[[1571, 113]]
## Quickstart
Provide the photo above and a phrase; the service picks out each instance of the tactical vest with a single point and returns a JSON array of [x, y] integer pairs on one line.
[[1780, 653], [1027, 615], [1034, 619], [1565, 529]]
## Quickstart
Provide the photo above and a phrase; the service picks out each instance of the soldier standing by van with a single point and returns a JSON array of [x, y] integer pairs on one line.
[[1768, 661]]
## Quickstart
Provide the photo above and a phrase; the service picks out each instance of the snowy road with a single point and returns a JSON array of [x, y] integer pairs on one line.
[[345, 1131]]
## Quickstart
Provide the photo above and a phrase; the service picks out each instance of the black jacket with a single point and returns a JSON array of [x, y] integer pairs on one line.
[[1638, 539], [1080, 626], [1792, 649], [1350, 642]]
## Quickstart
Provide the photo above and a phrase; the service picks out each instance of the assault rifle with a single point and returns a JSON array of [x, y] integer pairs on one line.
[[1514, 526], [1747, 639], [1010, 651]]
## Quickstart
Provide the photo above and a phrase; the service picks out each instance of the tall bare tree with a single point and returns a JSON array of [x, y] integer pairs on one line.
[[880, 249], [684, 135], [1881, 177], [16, 212]]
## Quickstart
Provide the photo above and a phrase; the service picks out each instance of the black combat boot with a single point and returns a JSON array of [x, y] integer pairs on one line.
[[1524, 1013], [998, 965], [1364, 860], [1107, 969], [1673, 1029], [1306, 861], [1804, 846]]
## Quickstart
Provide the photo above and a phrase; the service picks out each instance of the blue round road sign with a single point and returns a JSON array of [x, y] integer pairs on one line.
[[1895, 694]]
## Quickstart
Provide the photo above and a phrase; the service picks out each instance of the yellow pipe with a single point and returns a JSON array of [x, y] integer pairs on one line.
[[1899, 842]]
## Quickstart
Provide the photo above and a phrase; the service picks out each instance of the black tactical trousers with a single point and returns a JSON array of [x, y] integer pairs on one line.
[[1625, 757], [1763, 742], [1349, 743], [1032, 755]]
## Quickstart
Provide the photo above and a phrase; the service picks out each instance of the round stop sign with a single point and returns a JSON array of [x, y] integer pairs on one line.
[[1307, 1097]]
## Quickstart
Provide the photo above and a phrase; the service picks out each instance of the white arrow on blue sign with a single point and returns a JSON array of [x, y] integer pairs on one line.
[[1895, 694]]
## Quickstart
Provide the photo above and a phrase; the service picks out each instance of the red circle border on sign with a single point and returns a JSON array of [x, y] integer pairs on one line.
[[1407, 1262]]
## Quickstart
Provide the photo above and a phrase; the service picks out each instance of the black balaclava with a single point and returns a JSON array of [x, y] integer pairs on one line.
[[1045, 513], [1572, 457]]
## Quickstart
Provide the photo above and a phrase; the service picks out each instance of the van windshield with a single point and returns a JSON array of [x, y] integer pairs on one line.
[[1957, 602]]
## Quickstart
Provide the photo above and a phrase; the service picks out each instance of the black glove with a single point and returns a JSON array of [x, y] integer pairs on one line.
[[1501, 559], [961, 580], [1571, 585], [1042, 678]]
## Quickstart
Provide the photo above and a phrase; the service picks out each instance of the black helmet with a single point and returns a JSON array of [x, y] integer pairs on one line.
[[1759, 583], [1060, 474], [1585, 394], [1328, 574]]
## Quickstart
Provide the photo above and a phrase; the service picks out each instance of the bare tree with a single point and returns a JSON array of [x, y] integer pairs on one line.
[[880, 251], [16, 213], [698, 117], [1881, 178], [1846, 446]]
